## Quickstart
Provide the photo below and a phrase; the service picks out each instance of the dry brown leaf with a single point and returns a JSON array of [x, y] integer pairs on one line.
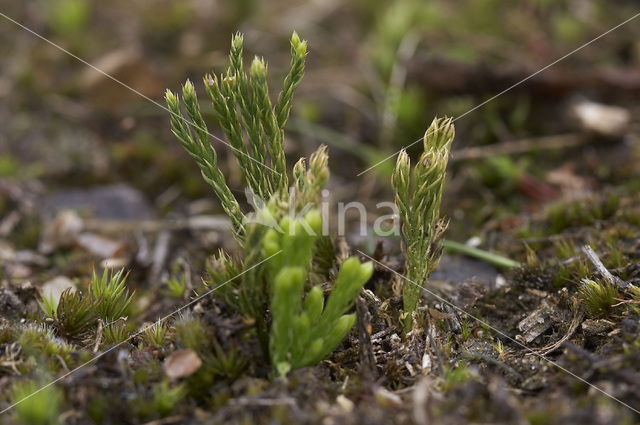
[[181, 363]]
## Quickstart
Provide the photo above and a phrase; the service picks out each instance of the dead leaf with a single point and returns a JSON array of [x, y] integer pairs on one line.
[[608, 120], [181, 363], [61, 232], [56, 286], [99, 245]]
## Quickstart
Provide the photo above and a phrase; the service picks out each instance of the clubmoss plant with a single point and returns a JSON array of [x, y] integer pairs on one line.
[[418, 193], [305, 329], [253, 126]]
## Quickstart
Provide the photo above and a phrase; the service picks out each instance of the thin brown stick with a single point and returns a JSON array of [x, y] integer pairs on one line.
[[561, 141]]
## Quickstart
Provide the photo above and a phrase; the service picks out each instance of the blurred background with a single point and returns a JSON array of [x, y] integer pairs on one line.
[[377, 74]]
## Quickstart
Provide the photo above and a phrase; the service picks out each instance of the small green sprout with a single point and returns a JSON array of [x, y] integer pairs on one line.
[[499, 347], [598, 298], [49, 306], [41, 408], [115, 332], [39, 342], [75, 314], [155, 335], [177, 287], [191, 333], [227, 363], [467, 328], [418, 193], [110, 294], [222, 272], [305, 329], [164, 399]]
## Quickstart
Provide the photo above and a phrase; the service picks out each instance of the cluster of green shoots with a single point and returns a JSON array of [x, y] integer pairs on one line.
[[74, 316], [294, 323], [304, 329], [598, 298], [418, 192], [253, 126], [74, 313], [42, 406]]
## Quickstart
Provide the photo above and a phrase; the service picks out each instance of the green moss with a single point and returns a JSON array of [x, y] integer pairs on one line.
[[191, 333], [110, 294], [570, 272], [598, 298], [39, 343], [69, 17], [456, 376], [107, 300], [155, 335], [580, 213], [41, 407], [147, 371], [161, 401], [75, 314], [176, 286], [564, 248], [27, 233], [114, 333], [227, 363]]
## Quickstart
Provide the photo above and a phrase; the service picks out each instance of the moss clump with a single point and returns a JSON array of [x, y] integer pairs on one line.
[[38, 405], [598, 298], [305, 329], [580, 213]]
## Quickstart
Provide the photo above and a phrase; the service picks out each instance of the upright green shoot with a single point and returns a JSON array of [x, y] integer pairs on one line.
[[304, 328], [253, 127], [110, 294], [418, 194]]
